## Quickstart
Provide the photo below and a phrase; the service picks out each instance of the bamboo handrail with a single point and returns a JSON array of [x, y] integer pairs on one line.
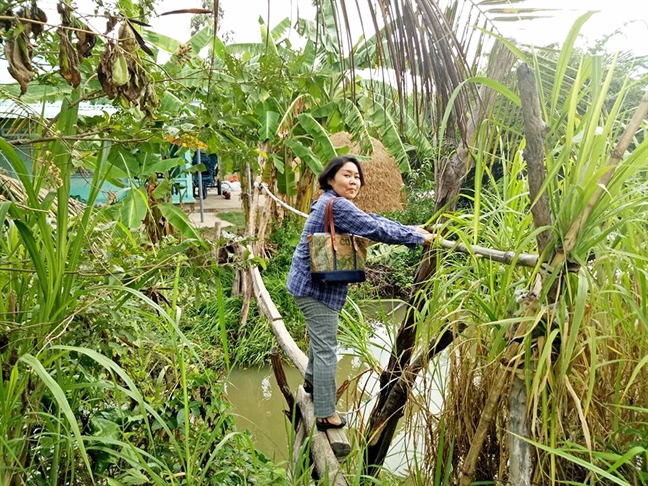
[[264, 186], [507, 257]]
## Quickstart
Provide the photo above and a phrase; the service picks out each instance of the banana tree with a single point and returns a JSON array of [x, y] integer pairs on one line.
[[298, 126]]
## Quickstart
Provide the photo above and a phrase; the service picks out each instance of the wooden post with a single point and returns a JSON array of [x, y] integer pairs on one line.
[[217, 230], [293, 413], [251, 194], [326, 464], [263, 225], [520, 460]]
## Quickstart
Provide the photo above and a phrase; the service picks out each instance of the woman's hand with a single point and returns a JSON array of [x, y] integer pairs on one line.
[[429, 237]]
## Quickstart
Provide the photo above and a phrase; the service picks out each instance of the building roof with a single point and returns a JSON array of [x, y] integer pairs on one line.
[[11, 109]]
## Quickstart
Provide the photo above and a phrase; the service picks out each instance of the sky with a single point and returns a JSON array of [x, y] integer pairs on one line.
[[241, 17]]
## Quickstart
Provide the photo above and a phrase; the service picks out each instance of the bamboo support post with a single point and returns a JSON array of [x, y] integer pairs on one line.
[[217, 230], [280, 376], [521, 461], [326, 464], [293, 413]]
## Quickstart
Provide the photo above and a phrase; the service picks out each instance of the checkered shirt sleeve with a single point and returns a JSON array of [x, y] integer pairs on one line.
[[347, 219]]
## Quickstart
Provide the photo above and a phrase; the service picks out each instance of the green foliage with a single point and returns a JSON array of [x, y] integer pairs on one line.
[[98, 380], [148, 408]]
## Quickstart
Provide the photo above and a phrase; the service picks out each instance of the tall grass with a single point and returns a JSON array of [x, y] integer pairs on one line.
[[584, 355], [99, 382]]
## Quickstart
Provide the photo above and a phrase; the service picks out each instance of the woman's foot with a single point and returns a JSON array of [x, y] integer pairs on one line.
[[332, 422]]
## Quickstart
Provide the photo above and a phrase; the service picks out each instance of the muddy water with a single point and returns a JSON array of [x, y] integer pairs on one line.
[[258, 403]]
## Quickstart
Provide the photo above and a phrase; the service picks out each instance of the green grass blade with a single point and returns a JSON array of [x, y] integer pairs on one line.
[[61, 400]]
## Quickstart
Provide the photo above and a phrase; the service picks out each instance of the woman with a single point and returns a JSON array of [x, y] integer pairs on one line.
[[320, 302]]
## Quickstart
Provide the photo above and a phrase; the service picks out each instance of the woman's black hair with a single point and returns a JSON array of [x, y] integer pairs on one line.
[[333, 167]]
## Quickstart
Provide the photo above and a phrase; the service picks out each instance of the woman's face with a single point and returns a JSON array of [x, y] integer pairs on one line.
[[346, 182]]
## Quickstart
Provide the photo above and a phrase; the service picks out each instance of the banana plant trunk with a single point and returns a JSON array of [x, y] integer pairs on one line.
[[305, 189]]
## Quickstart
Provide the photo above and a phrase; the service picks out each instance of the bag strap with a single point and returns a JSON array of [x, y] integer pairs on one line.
[[329, 225]]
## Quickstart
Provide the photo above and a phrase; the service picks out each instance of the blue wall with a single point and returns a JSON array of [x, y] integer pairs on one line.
[[80, 182]]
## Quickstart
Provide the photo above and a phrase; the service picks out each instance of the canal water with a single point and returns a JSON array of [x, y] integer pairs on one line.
[[257, 402]]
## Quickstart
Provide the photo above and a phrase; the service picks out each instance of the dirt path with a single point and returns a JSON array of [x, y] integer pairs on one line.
[[212, 205]]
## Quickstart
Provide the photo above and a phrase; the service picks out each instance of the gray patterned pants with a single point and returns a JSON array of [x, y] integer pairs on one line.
[[322, 324]]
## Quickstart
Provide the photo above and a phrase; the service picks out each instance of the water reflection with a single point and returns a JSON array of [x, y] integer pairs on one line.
[[258, 403]]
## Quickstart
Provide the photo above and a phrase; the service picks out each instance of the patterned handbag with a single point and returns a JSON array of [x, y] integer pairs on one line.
[[334, 257]]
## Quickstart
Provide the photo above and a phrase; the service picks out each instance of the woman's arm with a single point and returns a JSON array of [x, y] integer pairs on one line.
[[349, 219]]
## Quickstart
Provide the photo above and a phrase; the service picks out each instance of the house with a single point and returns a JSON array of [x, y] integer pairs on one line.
[[18, 121]]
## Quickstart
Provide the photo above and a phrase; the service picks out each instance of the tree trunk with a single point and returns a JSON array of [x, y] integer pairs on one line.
[[520, 460], [534, 152]]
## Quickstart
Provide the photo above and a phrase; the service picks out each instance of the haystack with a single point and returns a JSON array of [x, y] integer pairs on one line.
[[383, 189]]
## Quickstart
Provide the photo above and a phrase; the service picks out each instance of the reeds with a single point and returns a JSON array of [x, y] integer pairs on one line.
[[583, 357]]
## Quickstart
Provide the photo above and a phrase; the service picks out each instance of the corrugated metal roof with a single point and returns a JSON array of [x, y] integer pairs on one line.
[[10, 109]]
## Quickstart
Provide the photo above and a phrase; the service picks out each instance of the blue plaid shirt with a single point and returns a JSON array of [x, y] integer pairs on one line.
[[347, 219]]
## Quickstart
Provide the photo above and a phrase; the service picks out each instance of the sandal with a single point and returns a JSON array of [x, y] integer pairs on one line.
[[308, 387], [323, 424]]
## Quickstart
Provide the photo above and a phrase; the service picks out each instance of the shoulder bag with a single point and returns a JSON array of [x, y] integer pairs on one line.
[[335, 257]]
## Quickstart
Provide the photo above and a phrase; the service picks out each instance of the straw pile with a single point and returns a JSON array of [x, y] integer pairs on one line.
[[383, 189]]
